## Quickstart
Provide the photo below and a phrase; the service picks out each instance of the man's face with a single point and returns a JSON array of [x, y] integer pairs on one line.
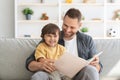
[[70, 27]]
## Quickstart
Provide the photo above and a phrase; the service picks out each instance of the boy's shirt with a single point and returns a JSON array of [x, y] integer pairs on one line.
[[49, 52]]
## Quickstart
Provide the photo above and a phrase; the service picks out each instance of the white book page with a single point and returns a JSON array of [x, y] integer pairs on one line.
[[97, 55], [70, 65]]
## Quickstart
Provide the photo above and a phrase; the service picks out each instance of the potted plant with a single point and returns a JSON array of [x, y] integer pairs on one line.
[[84, 29], [28, 12]]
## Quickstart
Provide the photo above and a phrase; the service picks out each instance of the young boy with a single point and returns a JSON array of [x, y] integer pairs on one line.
[[49, 48]]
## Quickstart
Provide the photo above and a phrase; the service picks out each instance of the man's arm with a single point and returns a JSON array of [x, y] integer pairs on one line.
[[31, 63], [38, 66], [96, 64], [92, 52], [33, 66]]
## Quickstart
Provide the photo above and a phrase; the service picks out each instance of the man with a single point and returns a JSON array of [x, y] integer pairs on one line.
[[77, 43]]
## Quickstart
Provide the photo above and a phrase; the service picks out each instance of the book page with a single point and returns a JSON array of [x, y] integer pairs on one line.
[[70, 65], [97, 55]]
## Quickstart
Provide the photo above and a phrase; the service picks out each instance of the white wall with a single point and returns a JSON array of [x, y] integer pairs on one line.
[[7, 18]]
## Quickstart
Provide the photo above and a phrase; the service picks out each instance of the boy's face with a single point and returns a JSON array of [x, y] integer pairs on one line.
[[51, 39]]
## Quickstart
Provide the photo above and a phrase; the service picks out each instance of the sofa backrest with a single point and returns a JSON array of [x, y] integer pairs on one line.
[[110, 57], [13, 54]]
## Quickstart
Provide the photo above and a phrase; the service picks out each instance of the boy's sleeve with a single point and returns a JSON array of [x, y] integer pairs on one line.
[[40, 52], [62, 50]]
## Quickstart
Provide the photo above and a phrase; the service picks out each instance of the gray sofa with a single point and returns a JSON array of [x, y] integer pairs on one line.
[[13, 53]]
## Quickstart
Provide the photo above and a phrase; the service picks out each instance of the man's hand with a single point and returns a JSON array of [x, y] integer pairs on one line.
[[95, 63], [47, 65]]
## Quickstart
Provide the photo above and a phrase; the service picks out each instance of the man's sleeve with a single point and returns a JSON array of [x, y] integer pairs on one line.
[[93, 51], [29, 59]]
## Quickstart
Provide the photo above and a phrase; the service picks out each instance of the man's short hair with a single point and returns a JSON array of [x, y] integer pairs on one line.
[[74, 13]]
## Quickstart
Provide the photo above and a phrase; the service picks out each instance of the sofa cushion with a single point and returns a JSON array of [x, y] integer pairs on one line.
[[13, 54], [110, 57]]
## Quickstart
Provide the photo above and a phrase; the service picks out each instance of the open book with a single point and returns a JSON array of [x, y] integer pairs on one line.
[[70, 65]]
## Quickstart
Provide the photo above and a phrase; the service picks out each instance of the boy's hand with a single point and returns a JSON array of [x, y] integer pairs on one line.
[[47, 65]]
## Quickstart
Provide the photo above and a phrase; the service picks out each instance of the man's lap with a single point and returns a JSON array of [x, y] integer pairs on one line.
[[86, 73]]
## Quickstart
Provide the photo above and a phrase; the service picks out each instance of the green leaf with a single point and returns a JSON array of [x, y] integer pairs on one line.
[[84, 29], [27, 11]]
